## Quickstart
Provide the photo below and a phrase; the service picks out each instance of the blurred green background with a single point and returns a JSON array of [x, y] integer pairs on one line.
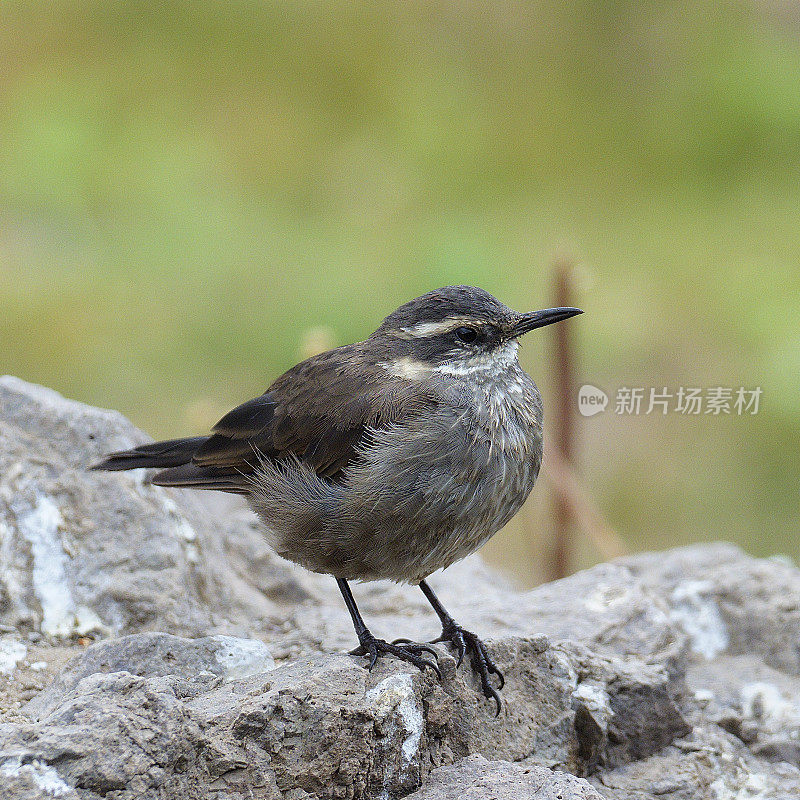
[[188, 190]]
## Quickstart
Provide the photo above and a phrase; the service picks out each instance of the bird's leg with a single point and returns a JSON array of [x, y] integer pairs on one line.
[[465, 641], [373, 647]]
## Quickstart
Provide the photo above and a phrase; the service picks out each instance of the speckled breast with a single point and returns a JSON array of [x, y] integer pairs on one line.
[[432, 491]]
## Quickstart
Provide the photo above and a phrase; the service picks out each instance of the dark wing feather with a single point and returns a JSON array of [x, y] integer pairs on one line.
[[235, 436], [318, 411], [156, 454]]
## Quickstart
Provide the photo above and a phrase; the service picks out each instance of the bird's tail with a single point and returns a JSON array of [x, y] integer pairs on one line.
[[160, 455], [174, 459]]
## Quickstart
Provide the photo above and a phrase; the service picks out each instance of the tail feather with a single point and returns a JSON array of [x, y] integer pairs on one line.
[[174, 459], [192, 476], [172, 453]]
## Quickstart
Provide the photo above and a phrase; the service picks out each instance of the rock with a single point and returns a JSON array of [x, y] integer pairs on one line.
[[215, 671], [33, 781], [709, 764], [758, 704], [475, 778], [12, 651], [87, 553], [323, 723], [725, 602], [158, 655]]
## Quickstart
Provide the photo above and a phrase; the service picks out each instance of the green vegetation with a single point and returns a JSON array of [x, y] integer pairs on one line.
[[187, 188]]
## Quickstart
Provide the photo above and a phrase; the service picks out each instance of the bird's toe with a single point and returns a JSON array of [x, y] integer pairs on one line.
[[481, 662], [403, 649]]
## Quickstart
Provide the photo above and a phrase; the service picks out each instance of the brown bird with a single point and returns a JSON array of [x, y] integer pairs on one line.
[[389, 459]]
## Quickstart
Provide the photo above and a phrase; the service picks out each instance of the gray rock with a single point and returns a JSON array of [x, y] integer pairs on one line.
[[475, 778], [324, 724], [727, 602], [158, 655], [758, 704], [710, 764], [92, 553], [669, 675], [33, 781]]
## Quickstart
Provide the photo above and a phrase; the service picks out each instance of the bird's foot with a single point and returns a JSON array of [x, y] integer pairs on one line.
[[467, 642], [407, 651]]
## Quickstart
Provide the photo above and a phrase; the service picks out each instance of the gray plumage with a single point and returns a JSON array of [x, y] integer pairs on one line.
[[389, 458], [421, 492]]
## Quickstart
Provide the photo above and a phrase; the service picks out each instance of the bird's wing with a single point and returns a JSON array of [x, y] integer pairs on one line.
[[318, 411]]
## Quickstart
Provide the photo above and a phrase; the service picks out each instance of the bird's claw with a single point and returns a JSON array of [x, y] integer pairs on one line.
[[403, 649], [463, 640], [455, 636], [417, 646], [481, 662]]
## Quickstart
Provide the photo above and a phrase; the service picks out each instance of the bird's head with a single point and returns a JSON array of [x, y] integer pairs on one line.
[[456, 330]]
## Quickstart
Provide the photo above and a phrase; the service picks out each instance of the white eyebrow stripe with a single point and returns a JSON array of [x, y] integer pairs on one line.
[[423, 329]]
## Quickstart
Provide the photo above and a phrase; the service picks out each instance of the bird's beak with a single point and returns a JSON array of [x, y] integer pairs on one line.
[[538, 319]]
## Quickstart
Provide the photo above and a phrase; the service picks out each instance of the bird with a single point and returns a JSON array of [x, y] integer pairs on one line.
[[389, 458]]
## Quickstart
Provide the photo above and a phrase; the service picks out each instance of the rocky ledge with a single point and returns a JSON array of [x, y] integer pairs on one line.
[[151, 646]]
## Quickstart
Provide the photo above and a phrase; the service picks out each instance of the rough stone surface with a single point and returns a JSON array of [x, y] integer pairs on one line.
[[475, 778], [91, 553], [158, 655], [203, 666]]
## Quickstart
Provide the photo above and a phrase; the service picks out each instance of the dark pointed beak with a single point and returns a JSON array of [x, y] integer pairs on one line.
[[538, 319]]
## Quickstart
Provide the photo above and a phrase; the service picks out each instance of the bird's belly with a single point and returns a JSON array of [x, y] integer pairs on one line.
[[480, 502], [421, 495], [435, 496]]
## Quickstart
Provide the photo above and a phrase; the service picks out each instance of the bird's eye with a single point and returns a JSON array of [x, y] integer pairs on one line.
[[467, 335]]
